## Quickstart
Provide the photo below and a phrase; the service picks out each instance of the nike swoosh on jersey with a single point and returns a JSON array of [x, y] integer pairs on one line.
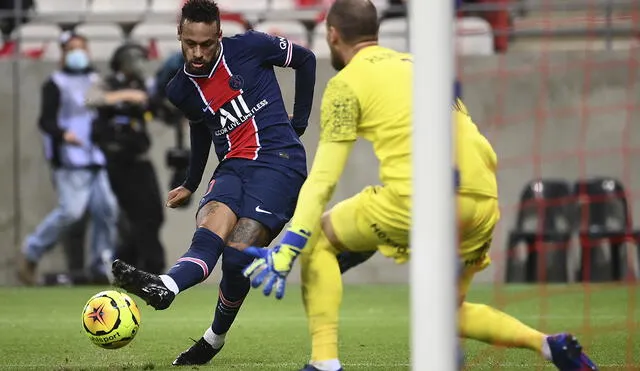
[[207, 106], [260, 210]]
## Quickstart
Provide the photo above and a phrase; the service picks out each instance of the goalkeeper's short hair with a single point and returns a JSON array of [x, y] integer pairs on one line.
[[355, 20]]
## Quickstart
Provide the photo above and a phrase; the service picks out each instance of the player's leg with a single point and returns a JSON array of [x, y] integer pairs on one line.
[[269, 198], [477, 217], [215, 219], [234, 287], [484, 323], [359, 224], [322, 295]]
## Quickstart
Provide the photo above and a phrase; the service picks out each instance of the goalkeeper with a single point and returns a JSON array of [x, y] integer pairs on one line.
[[371, 97]]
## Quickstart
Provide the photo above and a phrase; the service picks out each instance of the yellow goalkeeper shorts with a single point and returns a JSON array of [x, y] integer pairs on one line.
[[375, 218], [477, 218]]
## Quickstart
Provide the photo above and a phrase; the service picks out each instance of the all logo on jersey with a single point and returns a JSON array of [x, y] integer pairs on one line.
[[236, 112]]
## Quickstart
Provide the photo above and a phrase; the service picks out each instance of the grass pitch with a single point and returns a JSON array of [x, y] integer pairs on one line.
[[41, 329]]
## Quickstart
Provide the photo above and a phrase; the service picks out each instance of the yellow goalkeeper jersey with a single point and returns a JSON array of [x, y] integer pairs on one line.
[[371, 98], [475, 158], [377, 87]]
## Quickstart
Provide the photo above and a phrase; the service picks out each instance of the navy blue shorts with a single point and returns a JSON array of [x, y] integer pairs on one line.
[[259, 191]]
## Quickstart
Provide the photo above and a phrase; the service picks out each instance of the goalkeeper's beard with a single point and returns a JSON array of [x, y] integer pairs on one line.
[[336, 62]]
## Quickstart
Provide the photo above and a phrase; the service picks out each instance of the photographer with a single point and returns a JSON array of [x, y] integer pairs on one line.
[[121, 131]]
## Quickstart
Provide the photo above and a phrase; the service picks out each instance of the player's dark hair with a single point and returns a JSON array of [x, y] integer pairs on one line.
[[355, 20], [200, 11]]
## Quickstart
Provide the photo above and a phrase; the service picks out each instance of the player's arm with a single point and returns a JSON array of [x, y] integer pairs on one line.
[[280, 52], [200, 147]]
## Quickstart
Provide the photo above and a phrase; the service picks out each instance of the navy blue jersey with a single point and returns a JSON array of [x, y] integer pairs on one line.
[[240, 103]]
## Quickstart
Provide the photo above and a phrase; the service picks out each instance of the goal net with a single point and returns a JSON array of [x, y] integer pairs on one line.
[[555, 87]]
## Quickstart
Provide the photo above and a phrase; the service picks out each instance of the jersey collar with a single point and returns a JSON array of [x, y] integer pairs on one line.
[[364, 52], [184, 66]]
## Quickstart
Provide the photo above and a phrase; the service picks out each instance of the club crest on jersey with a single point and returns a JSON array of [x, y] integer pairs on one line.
[[236, 82]]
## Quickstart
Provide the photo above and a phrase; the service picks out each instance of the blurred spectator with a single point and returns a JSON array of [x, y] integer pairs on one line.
[[78, 164], [120, 129], [9, 21]]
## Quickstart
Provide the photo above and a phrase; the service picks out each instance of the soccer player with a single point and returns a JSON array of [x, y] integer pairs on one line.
[[229, 92], [371, 97]]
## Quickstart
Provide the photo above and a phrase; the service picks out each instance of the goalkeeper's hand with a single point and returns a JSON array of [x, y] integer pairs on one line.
[[273, 265]]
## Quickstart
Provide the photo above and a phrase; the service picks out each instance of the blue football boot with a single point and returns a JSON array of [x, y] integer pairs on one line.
[[567, 355]]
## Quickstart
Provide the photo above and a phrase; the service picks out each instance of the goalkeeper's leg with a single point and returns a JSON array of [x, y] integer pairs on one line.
[[360, 224], [484, 323], [477, 217], [322, 295]]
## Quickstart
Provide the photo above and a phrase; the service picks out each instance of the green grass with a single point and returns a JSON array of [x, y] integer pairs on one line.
[[41, 329]]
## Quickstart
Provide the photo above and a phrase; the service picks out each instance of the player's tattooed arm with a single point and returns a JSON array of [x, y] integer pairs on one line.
[[248, 232], [340, 113]]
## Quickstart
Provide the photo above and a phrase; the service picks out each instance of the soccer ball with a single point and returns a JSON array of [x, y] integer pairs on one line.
[[111, 319]]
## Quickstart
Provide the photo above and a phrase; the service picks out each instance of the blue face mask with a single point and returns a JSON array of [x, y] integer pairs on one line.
[[76, 60]]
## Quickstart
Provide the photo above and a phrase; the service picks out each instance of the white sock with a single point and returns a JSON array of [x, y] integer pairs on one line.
[[170, 283], [546, 351], [215, 340], [327, 365]]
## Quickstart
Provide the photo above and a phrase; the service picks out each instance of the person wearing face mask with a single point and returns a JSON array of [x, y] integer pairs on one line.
[[79, 173], [120, 129]]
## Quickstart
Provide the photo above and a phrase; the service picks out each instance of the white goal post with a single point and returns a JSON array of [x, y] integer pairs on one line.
[[433, 235]]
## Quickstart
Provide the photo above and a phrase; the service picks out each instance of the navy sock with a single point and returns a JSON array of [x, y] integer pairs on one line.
[[198, 262], [234, 287]]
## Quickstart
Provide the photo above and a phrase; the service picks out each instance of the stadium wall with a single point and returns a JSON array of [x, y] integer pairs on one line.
[[511, 97]]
